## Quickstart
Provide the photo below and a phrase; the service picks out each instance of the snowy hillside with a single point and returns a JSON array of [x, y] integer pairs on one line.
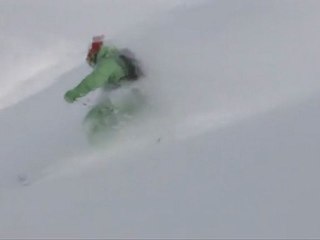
[[227, 145]]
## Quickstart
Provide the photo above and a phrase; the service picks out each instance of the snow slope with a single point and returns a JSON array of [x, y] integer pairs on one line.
[[226, 148]]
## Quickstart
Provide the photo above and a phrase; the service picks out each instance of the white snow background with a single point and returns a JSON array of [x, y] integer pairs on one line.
[[228, 146]]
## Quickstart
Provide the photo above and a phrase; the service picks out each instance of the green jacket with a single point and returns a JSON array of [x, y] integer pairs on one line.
[[109, 69]]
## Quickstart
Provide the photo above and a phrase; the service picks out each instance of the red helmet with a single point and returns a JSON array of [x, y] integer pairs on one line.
[[97, 42]]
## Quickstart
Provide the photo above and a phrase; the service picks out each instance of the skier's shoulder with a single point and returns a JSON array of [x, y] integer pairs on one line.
[[108, 51]]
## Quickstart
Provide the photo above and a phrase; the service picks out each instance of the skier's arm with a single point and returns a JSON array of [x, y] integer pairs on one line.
[[106, 72], [88, 84]]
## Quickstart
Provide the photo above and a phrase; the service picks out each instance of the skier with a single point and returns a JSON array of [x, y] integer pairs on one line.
[[110, 67]]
